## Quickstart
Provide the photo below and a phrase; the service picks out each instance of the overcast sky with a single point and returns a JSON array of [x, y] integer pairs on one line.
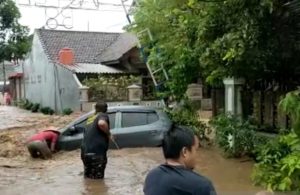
[[107, 18]]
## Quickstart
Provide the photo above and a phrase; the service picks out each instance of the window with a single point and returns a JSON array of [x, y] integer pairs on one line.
[[81, 124], [112, 119], [130, 119], [80, 127]]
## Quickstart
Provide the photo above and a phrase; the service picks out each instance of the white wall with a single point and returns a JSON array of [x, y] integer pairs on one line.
[[49, 84]]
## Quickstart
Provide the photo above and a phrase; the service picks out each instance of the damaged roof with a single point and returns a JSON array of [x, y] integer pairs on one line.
[[88, 47]]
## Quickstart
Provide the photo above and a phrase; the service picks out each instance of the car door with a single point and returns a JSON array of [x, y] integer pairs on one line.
[[71, 139], [114, 119], [138, 129]]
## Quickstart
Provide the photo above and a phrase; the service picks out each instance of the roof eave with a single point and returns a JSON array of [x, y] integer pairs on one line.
[[110, 62]]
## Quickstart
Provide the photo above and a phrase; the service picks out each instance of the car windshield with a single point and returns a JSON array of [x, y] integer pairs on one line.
[[75, 121]]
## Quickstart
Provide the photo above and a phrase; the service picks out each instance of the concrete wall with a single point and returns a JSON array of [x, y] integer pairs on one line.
[[39, 76], [69, 90], [49, 84], [17, 88]]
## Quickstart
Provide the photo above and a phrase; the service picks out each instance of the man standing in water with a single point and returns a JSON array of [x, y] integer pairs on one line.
[[176, 176], [95, 143]]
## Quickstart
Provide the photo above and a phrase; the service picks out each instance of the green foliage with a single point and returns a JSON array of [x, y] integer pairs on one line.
[[47, 110], [35, 107], [108, 87], [235, 137], [278, 166], [187, 116], [291, 106], [174, 28], [14, 40], [22, 103], [28, 105], [67, 111], [255, 39]]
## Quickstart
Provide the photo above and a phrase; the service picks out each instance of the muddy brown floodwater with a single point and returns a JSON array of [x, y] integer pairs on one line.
[[125, 173]]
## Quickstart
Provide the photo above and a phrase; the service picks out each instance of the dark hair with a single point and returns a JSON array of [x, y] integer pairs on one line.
[[175, 139], [101, 106]]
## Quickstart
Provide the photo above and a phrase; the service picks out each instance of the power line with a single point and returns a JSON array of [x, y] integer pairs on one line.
[[81, 5]]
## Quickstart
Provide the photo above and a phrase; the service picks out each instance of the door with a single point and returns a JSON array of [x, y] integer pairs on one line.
[[138, 129], [114, 119], [72, 138]]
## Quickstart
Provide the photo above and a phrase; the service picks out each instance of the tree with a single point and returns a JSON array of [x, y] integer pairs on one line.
[[254, 39], [174, 30], [14, 40]]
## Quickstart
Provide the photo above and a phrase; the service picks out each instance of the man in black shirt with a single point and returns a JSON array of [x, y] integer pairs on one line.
[[176, 176], [95, 143]]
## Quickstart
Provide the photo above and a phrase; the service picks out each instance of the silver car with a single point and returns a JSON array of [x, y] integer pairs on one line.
[[132, 126]]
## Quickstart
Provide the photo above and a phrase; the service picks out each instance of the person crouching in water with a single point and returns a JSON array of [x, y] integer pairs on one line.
[[95, 143], [42, 144]]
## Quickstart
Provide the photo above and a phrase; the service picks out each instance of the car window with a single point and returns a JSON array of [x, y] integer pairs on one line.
[[130, 119], [81, 124]]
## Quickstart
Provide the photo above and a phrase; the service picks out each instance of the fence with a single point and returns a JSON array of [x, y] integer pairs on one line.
[[262, 102], [108, 93], [264, 108], [218, 100]]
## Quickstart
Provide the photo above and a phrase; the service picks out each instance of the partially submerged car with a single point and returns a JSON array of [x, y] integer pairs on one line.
[[131, 126]]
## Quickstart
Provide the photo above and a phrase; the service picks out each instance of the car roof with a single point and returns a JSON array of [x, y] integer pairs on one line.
[[131, 108]]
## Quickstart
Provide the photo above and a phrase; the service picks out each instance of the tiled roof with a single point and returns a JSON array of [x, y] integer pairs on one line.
[[88, 47], [123, 44]]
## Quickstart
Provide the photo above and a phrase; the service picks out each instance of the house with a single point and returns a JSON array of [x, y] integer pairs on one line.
[[60, 60]]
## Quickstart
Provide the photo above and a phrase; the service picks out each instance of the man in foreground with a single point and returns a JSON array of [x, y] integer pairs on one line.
[[95, 143], [176, 176]]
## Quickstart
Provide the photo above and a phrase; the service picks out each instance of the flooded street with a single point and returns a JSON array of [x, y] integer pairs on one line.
[[125, 173], [63, 174]]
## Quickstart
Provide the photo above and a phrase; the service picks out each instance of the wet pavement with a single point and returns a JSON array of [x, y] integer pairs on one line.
[[125, 173]]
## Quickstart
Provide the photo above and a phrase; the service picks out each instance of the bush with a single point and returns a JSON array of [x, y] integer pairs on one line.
[[235, 137], [67, 111], [28, 105], [35, 107], [21, 103], [187, 116], [278, 166], [47, 110]]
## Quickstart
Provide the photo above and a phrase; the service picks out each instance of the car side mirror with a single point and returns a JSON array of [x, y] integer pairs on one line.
[[73, 130]]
